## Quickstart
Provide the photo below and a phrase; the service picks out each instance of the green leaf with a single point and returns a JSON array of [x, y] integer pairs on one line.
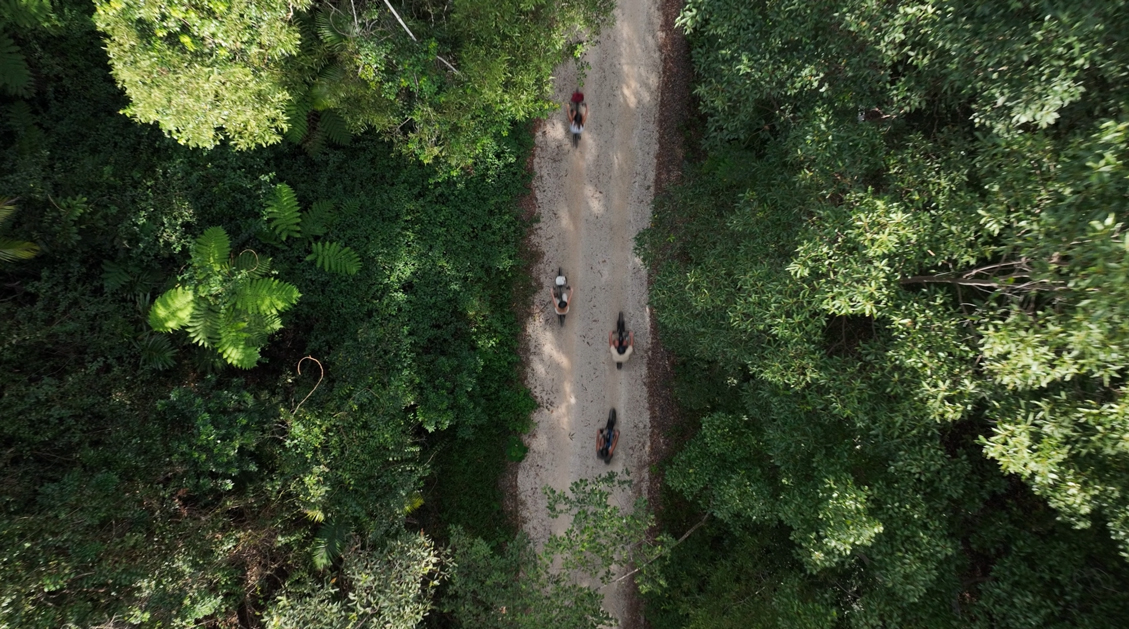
[[266, 296], [328, 544], [318, 220], [334, 127], [156, 352], [332, 257], [172, 310], [283, 214], [114, 276], [14, 76], [205, 325], [212, 249]]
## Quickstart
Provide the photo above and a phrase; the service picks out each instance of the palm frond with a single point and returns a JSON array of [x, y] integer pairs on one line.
[[172, 310], [7, 208], [283, 213], [330, 540], [212, 249], [142, 303], [12, 250], [332, 257]]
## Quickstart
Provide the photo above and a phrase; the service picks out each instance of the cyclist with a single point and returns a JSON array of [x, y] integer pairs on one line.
[[621, 351], [577, 115]]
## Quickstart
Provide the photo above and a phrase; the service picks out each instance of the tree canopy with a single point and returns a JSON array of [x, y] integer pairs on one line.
[[903, 258], [443, 81]]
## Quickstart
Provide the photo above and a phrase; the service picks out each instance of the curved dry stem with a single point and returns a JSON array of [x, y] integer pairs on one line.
[[320, 378]]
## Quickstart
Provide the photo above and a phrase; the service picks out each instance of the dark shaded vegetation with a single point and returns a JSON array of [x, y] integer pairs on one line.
[[147, 481]]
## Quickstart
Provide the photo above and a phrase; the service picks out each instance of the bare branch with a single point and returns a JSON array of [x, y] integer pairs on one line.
[[389, 5], [410, 34], [453, 69], [667, 551]]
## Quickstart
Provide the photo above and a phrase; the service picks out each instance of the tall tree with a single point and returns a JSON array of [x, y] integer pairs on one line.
[[444, 82]]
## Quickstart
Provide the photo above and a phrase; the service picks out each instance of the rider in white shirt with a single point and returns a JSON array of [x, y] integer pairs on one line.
[[561, 304], [620, 353]]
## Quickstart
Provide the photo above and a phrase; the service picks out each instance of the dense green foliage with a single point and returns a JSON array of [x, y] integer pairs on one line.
[[443, 80], [516, 587], [146, 481], [384, 590], [897, 289]]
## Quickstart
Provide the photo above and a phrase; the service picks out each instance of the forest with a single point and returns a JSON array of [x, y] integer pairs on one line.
[[262, 281], [894, 281], [260, 298]]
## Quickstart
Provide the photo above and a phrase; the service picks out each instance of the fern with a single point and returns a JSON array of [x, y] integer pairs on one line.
[[173, 310], [252, 264], [205, 324], [156, 352], [26, 14], [332, 257], [413, 502], [226, 305], [14, 76], [334, 35], [318, 219], [297, 119], [335, 128], [260, 326], [283, 213], [114, 276], [314, 141], [29, 137], [266, 296], [235, 345], [212, 249]]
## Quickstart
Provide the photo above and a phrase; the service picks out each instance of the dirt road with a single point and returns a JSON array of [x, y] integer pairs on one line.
[[592, 201]]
